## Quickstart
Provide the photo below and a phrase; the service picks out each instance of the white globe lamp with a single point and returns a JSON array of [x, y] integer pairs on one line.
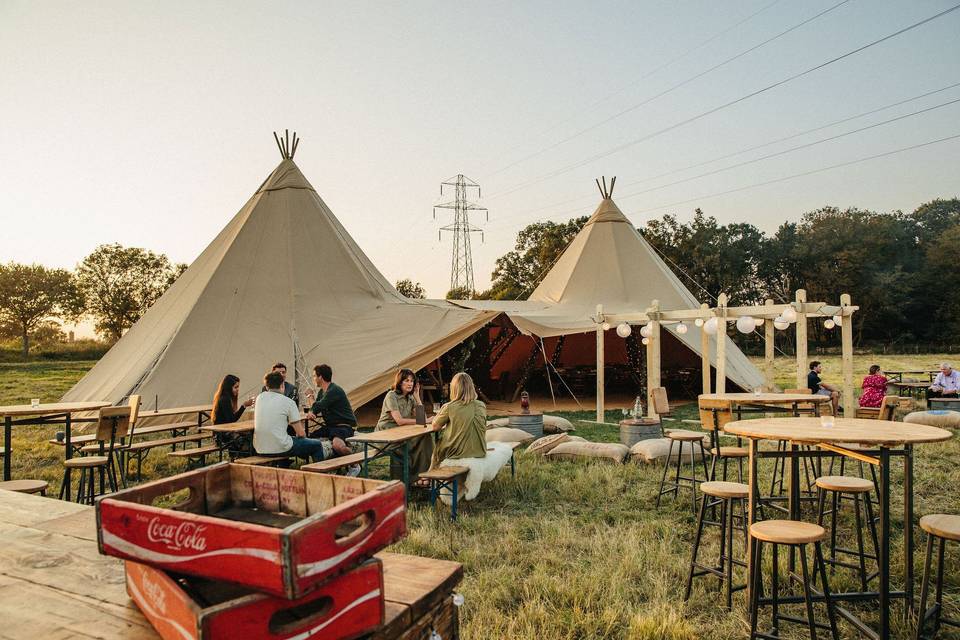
[[746, 324], [758, 322], [829, 324], [698, 322], [780, 323], [646, 330], [789, 314], [681, 328], [606, 326], [624, 330], [645, 341], [838, 320], [710, 326]]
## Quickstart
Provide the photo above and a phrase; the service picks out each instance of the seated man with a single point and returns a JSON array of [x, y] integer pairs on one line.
[[820, 388], [288, 390], [332, 405], [274, 412], [946, 384]]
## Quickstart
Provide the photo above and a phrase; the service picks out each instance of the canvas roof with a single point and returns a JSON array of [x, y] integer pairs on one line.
[[610, 263], [283, 281]]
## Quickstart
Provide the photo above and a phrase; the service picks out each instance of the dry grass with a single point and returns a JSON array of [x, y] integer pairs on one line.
[[566, 550]]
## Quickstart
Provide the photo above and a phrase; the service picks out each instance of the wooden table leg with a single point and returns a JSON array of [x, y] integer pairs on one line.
[[68, 453], [908, 529], [751, 513], [884, 551], [7, 447]]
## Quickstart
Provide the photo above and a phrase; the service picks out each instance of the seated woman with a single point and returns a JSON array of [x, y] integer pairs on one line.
[[227, 410], [462, 442], [399, 409], [874, 388]]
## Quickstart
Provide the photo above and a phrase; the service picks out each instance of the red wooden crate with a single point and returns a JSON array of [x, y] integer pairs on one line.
[[185, 608], [278, 531]]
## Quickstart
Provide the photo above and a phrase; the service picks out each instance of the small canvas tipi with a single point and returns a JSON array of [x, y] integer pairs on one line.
[[283, 281]]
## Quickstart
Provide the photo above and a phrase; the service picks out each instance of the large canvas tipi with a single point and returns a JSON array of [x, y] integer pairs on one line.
[[283, 281]]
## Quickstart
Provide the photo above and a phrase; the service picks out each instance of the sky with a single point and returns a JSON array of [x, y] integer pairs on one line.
[[149, 124]]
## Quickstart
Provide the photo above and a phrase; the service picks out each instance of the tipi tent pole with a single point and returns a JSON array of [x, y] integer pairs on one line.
[[705, 355], [546, 369], [846, 333], [768, 354], [653, 357], [721, 385], [600, 382], [801, 327]]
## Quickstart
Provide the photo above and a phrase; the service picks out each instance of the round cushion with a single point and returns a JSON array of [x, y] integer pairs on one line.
[[24, 486], [656, 449], [936, 418], [941, 524], [720, 489], [787, 531], [543, 445], [607, 451], [506, 434], [844, 484], [556, 424]]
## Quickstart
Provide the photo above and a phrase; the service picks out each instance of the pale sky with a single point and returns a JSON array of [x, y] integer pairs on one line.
[[149, 124]]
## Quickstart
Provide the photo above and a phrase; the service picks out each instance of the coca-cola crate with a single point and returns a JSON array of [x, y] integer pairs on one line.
[[279, 531], [187, 607]]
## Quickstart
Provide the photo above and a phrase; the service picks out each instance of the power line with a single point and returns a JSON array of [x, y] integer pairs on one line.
[[725, 105], [800, 175], [898, 103], [683, 83]]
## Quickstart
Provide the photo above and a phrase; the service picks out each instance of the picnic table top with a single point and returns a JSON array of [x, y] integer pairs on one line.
[[55, 584], [845, 430], [914, 384], [765, 398], [50, 408], [246, 426], [396, 434], [175, 411]]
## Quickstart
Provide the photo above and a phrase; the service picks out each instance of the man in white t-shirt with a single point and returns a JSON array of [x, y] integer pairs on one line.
[[274, 412]]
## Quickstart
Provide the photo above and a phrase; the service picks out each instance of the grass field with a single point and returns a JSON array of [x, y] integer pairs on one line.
[[565, 550]]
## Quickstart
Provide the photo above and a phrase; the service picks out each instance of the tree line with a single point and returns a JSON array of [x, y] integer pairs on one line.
[[113, 286]]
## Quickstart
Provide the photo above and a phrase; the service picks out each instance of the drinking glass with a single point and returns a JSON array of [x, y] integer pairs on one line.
[[826, 421], [35, 403]]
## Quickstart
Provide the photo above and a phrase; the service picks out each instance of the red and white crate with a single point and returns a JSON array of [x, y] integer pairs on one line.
[[186, 608], [279, 531]]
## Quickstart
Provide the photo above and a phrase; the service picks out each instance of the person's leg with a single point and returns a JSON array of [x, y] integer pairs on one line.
[[315, 449], [340, 447], [835, 399], [932, 393]]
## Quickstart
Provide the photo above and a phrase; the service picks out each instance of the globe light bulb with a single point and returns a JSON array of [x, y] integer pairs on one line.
[[698, 322], [606, 326], [681, 328], [758, 322], [789, 314], [645, 340], [746, 324], [780, 323], [829, 324], [646, 330], [838, 320], [624, 330], [710, 326]]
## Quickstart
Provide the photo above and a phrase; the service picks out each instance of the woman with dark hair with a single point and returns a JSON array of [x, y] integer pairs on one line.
[[399, 409], [228, 409], [874, 388]]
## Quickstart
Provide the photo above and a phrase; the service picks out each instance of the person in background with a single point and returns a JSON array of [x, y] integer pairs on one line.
[[874, 388], [288, 390], [399, 409], [332, 405], [227, 409], [818, 387], [946, 384], [273, 414], [464, 423]]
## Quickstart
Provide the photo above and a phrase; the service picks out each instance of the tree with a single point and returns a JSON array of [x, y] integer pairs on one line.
[[945, 312], [460, 293], [410, 289], [30, 295], [538, 246], [120, 283]]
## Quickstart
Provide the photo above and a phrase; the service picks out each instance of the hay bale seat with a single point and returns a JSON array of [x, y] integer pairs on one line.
[[545, 444], [604, 451], [656, 449], [936, 418], [506, 434]]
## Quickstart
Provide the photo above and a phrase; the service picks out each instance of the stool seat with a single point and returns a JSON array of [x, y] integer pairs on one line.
[[939, 524], [787, 531], [844, 484], [730, 452], [685, 436], [720, 489], [24, 486], [86, 461]]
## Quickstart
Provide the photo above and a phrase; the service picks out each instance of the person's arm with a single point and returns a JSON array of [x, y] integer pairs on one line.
[[236, 416], [441, 419], [937, 381], [392, 406], [293, 419]]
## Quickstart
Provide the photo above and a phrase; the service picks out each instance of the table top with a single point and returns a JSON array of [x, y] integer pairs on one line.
[[764, 398], [857, 430], [396, 434], [55, 584], [51, 408], [175, 411], [235, 427], [943, 400], [913, 385], [912, 371]]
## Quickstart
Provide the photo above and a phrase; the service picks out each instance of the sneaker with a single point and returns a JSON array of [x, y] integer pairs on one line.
[[353, 470]]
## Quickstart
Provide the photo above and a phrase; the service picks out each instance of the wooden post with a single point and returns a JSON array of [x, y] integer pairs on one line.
[[721, 336], [705, 355], [600, 407], [801, 327], [653, 357], [846, 333], [768, 354]]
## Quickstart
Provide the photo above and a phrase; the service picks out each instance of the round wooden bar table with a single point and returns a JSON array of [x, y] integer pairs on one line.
[[885, 439]]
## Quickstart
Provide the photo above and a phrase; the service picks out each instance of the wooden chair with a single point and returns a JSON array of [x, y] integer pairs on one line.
[[123, 443], [112, 423], [714, 416], [886, 410]]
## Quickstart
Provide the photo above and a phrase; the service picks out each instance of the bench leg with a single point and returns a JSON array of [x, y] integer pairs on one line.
[[453, 503], [434, 491], [513, 469]]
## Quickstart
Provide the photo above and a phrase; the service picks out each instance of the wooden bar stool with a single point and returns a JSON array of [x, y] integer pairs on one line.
[[112, 423], [25, 486], [724, 494], [679, 437], [941, 527], [713, 416], [859, 490], [796, 536]]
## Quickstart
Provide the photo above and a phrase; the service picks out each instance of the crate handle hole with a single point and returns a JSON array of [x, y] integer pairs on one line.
[[176, 500], [290, 620], [351, 530]]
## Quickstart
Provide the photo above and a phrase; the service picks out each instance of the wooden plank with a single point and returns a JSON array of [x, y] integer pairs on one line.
[[319, 493], [705, 356], [25, 510], [846, 341], [653, 362], [600, 365], [865, 431], [769, 335], [82, 524], [721, 383], [293, 492], [241, 485], [217, 489], [801, 330], [345, 488], [419, 583], [266, 488]]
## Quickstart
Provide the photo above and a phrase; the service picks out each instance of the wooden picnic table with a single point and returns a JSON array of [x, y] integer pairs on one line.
[[740, 403], [203, 412], [950, 404], [44, 414], [912, 389], [897, 376], [387, 441], [885, 439], [55, 584]]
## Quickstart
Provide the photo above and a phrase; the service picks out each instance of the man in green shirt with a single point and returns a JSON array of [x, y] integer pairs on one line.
[[332, 405]]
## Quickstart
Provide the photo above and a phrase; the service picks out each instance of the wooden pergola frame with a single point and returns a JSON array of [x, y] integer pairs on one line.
[[768, 311]]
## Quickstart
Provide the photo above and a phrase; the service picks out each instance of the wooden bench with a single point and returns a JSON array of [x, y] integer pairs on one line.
[[78, 441], [268, 461], [445, 479], [333, 464], [196, 453], [137, 449]]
